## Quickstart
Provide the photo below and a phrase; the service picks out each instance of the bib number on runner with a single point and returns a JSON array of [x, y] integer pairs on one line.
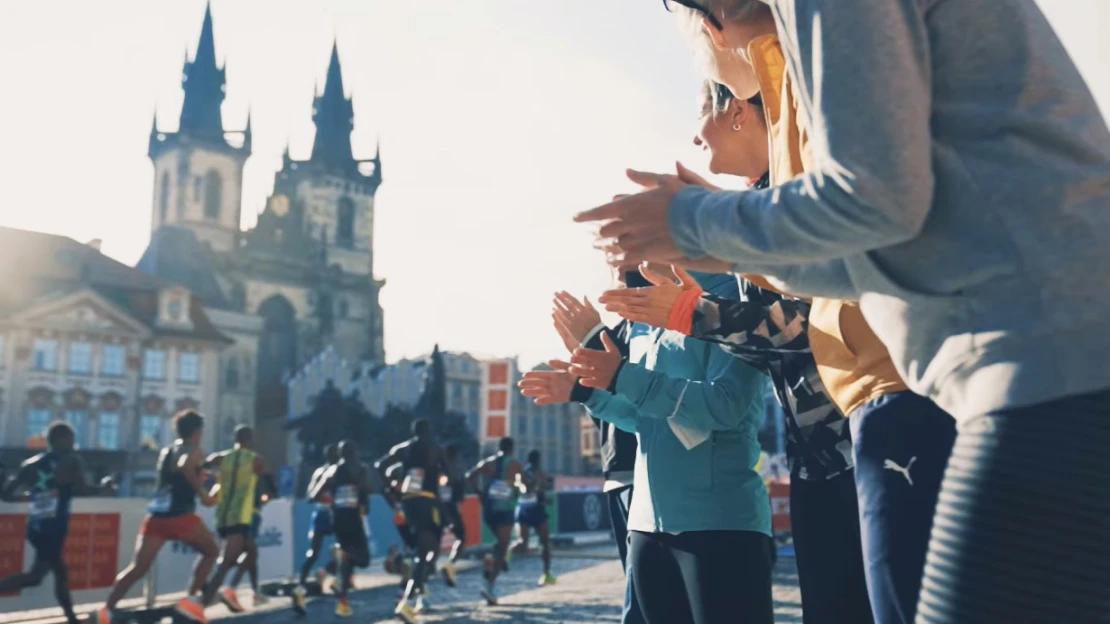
[[414, 481], [445, 493], [346, 497], [161, 502], [44, 505], [499, 490], [529, 499]]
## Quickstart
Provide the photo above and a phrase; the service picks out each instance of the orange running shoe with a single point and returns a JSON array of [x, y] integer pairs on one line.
[[192, 609], [231, 600]]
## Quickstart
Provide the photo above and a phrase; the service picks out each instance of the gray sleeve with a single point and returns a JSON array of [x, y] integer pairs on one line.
[[863, 74]]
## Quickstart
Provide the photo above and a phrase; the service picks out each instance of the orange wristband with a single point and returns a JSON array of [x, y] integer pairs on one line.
[[681, 317]]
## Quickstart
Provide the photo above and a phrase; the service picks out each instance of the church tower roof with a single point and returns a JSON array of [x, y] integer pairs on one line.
[[204, 83], [333, 114]]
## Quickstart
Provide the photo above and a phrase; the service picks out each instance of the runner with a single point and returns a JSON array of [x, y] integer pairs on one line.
[[49, 481], [398, 560], [248, 561], [422, 462], [238, 470], [452, 490], [171, 516], [322, 525], [349, 486], [531, 510], [500, 471]]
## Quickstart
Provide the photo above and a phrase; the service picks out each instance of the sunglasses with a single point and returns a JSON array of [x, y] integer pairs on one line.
[[697, 8]]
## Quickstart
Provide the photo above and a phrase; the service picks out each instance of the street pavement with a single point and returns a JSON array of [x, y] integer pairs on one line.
[[590, 590]]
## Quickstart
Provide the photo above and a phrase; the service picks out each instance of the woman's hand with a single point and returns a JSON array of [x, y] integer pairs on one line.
[[573, 319], [650, 305], [596, 369], [548, 387]]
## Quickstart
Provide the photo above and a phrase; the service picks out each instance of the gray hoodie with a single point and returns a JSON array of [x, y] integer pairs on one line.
[[960, 190]]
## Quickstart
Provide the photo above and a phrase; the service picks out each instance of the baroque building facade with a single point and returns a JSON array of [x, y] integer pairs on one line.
[[297, 282]]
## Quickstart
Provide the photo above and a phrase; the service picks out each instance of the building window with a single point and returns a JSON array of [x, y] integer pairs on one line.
[[522, 424], [45, 355], [164, 197], [80, 358], [154, 364], [112, 360], [37, 421], [150, 431], [213, 191], [345, 228], [77, 419], [107, 431], [188, 367], [550, 426]]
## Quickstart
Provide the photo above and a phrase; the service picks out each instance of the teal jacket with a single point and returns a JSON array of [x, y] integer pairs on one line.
[[670, 377]]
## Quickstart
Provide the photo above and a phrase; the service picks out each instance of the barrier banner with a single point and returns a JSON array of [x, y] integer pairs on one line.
[[101, 540], [780, 506], [582, 511], [275, 542]]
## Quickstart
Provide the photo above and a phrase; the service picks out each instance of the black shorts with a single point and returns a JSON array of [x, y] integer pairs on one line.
[[422, 514], [48, 546], [235, 529], [353, 542]]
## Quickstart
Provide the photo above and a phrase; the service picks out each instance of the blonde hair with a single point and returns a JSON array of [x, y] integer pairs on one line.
[[727, 11]]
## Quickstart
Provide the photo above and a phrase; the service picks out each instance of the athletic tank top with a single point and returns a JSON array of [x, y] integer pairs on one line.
[[499, 493], [421, 475], [347, 498], [534, 494], [173, 496], [237, 488], [50, 503]]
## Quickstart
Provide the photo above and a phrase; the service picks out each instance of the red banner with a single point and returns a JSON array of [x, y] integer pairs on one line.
[[780, 506], [91, 550], [12, 530]]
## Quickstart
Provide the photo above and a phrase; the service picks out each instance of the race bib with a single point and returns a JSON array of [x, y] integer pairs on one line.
[[346, 497], [161, 502], [44, 505], [445, 493], [529, 498], [414, 481], [499, 490], [323, 507]]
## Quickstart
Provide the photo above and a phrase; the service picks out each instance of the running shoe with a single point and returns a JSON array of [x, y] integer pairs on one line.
[[420, 606], [231, 600], [192, 609], [103, 616], [299, 600], [487, 593], [259, 600], [547, 579], [448, 571], [405, 613], [343, 608]]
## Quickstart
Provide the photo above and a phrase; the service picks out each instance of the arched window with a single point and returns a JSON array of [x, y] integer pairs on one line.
[[277, 346], [164, 197], [345, 228], [213, 192]]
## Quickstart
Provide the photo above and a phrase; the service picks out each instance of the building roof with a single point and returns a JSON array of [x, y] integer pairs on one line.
[[175, 255], [43, 266]]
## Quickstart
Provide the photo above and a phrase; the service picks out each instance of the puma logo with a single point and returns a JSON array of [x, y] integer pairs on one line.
[[890, 465]]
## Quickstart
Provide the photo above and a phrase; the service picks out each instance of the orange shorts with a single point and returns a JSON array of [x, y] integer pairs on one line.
[[170, 529]]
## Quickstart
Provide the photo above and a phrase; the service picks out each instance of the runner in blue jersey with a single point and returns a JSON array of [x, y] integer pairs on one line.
[[531, 510], [499, 471], [49, 481]]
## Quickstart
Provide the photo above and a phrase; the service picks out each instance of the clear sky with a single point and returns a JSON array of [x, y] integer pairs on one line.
[[498, 119]]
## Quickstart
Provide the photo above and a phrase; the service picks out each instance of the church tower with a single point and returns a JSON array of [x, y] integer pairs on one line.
[[198, 170]]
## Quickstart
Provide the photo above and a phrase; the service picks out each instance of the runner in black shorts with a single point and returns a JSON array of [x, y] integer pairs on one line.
[[349, 485], [49, 481], [452, 489], [531, 509], [422, 462], [499, 471]]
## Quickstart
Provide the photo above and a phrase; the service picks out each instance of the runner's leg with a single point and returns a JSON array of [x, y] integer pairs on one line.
[[316, 542], [201, 540], [545, 546], [30, 578], [61, 590], [146, 549]]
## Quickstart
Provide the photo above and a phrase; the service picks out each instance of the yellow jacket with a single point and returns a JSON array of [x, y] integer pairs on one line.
[[853, 363]]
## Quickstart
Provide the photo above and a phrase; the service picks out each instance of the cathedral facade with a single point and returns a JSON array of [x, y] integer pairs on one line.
[[299, 281]]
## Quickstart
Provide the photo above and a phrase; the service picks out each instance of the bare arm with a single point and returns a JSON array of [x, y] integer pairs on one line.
[[71, 471], [318, 487], [390, 458], [16, 484], [189, 466]]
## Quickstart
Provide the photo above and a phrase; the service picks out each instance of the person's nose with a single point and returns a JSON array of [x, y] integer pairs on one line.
[[697, 140]]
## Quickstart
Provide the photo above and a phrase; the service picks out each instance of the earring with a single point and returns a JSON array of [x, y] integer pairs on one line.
[[736, 127]]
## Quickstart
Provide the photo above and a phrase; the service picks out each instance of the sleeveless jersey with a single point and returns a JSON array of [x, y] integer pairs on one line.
[[237, 488], [347, 497], [535, 493], [499, 492], [173, 496], [421, 475], [50, 503]]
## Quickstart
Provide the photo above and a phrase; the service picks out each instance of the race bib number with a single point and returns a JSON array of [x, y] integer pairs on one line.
[[160, 503], [445, 493], [529, 498], [44, 505], [346, 497], [414, 481], [499, 490]]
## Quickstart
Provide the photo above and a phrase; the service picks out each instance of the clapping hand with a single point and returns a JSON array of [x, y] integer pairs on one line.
[[650, 305], [548, 387], [596, 369], [573, 319]]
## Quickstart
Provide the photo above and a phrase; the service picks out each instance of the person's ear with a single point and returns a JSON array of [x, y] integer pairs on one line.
[[716, 36], [739, 113]]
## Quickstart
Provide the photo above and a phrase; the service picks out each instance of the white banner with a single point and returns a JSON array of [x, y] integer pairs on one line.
[[101, 541], [275, 549]]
